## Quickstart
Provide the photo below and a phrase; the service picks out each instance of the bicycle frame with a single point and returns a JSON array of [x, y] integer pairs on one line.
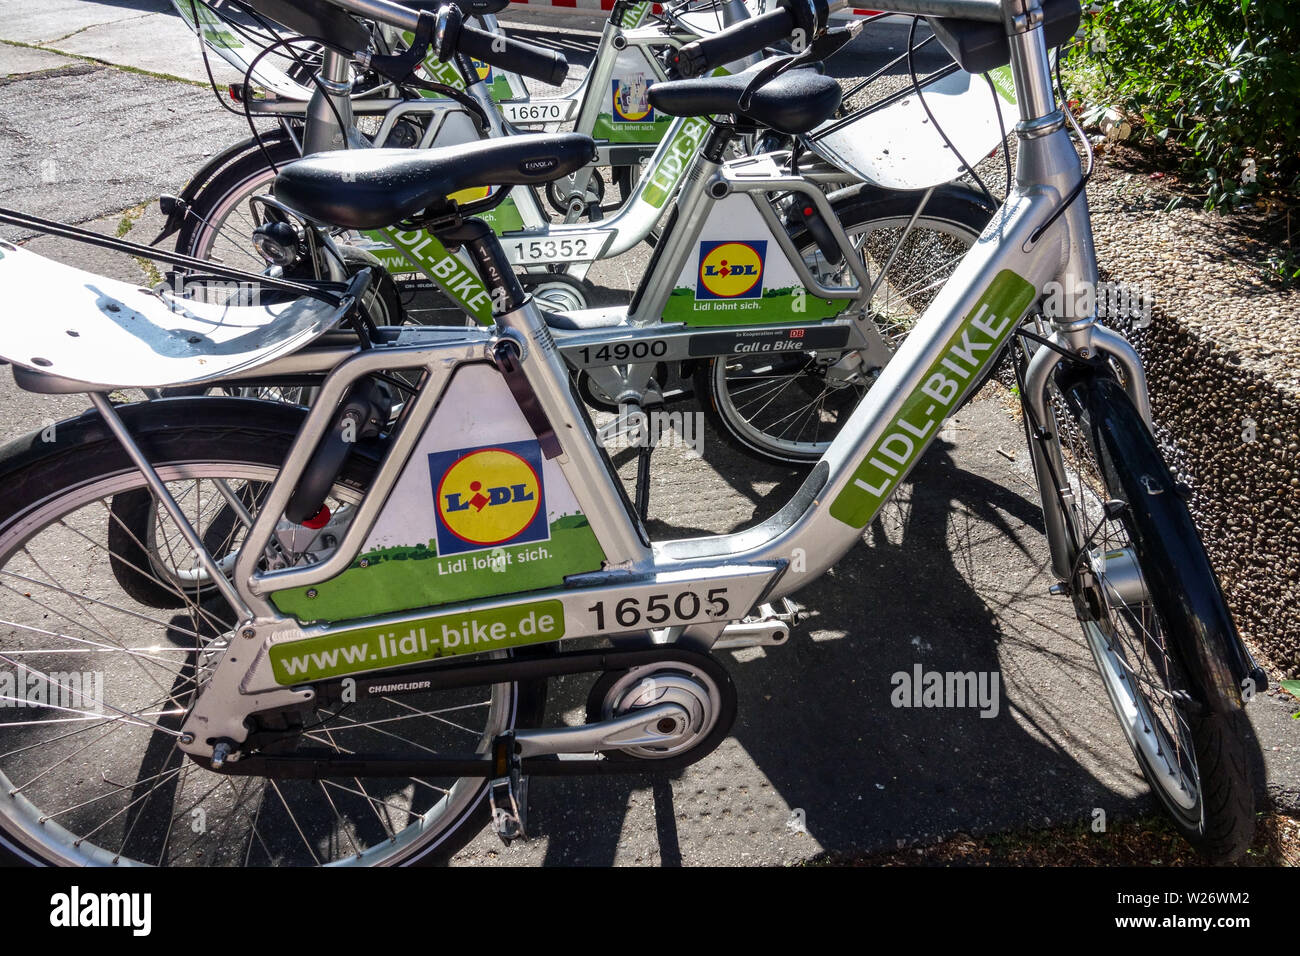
[[1029, 243]]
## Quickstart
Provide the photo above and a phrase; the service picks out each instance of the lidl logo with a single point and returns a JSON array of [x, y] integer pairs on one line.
[[731, 270], [484, 70], [488, 497], [632, 100]]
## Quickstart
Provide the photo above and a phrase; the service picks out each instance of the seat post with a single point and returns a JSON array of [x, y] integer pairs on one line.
[[715, 144], [330, 106], [493, 265]]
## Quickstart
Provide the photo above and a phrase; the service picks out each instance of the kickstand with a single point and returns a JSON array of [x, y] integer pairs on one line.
[[645, 448]]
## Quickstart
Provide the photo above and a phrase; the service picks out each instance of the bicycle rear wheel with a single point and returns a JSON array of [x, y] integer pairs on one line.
[[1152, 611], [790, 408], [96, 683]]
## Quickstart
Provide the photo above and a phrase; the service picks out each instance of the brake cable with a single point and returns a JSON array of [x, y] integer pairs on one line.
[[911, 70]]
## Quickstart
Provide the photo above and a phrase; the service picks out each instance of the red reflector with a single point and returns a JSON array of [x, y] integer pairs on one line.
[[319, 520], [807, 210], [233, 94]]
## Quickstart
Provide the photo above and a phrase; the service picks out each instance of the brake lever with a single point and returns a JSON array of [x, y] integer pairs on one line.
[[401, 67]]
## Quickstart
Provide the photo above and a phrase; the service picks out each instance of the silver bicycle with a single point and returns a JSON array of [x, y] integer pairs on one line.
[[354, 671]]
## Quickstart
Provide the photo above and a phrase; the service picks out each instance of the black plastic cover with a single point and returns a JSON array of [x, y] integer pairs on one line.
[[979, 47], [318, 19]]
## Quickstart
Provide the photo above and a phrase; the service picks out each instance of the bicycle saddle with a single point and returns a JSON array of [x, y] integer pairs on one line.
[[794, 102], [373, 188]]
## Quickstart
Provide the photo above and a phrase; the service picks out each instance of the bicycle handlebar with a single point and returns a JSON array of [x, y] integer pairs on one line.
[[734, 43], [452, 37], [501, 51], [803, 21]]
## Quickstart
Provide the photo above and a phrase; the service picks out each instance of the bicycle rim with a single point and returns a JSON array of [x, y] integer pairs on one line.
[[792, 407], [1126, 633], [96, 777]]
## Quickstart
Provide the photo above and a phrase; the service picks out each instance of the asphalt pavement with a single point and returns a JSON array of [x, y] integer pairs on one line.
[[102, 110]]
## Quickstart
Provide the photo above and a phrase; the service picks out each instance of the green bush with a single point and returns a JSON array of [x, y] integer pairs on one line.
[[1217, 80]]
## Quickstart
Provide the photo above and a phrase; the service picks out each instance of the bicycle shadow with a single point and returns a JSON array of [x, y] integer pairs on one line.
[[952, 577]]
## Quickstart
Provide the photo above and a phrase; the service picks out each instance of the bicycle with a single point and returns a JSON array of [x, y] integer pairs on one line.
[[309, 698], [914, 236], [628, 58]]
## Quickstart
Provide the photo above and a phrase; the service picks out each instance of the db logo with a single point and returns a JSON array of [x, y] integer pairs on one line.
[[488, 497], [731, 270], [484, 70]]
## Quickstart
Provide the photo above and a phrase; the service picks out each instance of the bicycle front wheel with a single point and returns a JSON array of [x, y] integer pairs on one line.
[[96, 684], [1152, 611]]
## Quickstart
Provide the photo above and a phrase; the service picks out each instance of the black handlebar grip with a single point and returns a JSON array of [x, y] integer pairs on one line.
[[734, 43], [318, 19], [514, 55]]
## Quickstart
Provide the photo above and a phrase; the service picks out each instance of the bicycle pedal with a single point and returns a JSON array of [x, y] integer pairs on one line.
[[510, 808], [770, 627]]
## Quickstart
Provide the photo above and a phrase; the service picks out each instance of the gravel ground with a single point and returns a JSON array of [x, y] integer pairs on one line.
[[1221, 353]]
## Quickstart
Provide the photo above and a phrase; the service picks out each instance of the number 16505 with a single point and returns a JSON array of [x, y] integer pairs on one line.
[[630, 612]]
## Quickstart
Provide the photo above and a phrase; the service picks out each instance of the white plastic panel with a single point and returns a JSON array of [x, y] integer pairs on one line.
[[240, 52], [110, 334], [898, 147]]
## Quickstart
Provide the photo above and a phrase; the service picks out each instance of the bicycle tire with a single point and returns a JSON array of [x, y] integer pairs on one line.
[[84, 463], [1211, 743]]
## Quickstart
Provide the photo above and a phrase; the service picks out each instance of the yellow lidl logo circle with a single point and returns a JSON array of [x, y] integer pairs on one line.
[[632, 100], [471, 194], [488, 497], [484, 70], [731, 270]]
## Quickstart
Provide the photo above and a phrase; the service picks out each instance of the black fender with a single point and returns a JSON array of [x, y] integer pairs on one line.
[[954, 192], [1181, 580], [26, 461], [176, 207]]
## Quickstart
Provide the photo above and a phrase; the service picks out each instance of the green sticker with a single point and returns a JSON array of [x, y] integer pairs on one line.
[[415, 576], [445, 635], [680, 154], [971, 348], [427, 253], [1003, 83], [633, 15], [791, 304]]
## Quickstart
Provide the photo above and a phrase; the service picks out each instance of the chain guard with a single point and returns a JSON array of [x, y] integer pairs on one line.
[[319, 763]]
